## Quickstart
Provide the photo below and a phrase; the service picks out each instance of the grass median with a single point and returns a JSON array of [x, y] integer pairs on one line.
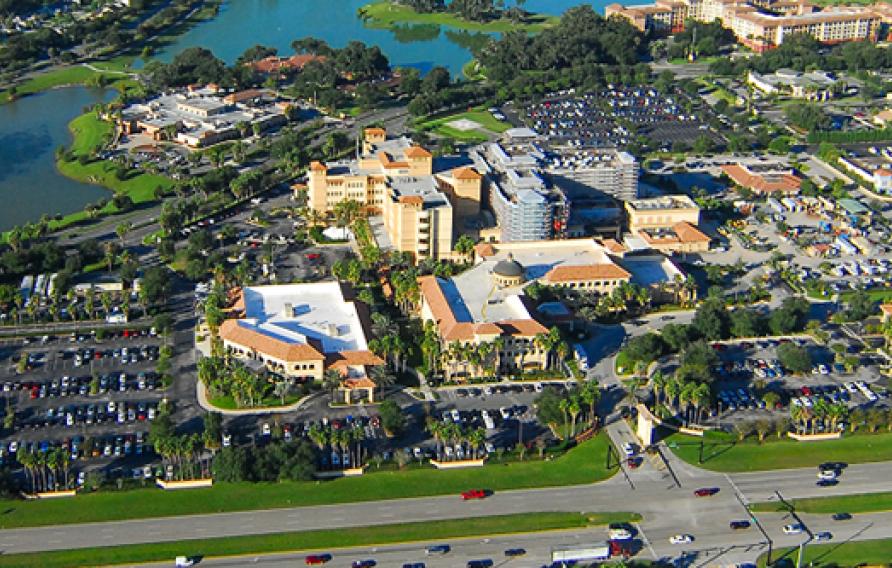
[[314, 540], [859, 503], [583, 464], [837, 555], [724, 453]]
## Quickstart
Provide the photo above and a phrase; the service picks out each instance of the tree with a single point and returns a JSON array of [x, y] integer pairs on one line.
[[696, 362], [794, 358], [464, 246], [746, 323], [392, 418], [645, 348], [711, 320]]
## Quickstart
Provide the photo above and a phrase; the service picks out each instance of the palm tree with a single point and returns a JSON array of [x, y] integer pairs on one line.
[[564, 405], [591, 395], [436, 429], [331, 380], [672, 390], [476, 438], [700, 398], [573, 409], [382, 377], [28, 461], [657, 384], [319, 436]]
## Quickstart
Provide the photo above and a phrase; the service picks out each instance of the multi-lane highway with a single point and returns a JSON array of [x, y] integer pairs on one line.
[[666, 502]]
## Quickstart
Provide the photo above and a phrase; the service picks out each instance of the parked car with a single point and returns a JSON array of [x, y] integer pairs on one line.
[[681, 539], [739, 525], [706, 491]]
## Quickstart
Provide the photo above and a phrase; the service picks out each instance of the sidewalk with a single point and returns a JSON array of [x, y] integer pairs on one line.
[[203, 402]]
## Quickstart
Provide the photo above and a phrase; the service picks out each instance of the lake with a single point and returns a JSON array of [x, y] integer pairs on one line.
[[32, 127], [276, 23], [30, 131]]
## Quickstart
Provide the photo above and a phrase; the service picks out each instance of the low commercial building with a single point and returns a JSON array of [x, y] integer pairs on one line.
[[764, 180], [300, 330], [420, 198], [812, 86], [202, 117], [667, 224]]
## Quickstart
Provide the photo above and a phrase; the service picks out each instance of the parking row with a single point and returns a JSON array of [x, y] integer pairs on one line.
[[70, 416], [85, 386]]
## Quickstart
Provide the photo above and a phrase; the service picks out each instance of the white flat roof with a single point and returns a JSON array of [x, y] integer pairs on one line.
[[295, 312]]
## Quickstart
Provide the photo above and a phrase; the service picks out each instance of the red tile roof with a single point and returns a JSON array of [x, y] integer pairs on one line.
[[248, 338], [782, 183], [586, 272]]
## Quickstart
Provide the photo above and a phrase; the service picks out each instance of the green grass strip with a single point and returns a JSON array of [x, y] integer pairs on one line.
[[860, 503], [726, 454], [429, 531], [584, 464], [839, 554], [387, 15]]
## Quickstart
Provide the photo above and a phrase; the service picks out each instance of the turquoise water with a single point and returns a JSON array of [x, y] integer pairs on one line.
[[244, 23], [30, 131]]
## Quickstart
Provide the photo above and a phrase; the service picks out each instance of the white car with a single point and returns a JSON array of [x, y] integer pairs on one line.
[[619, 534], [681, 539], [227, 440], [823, 369], [827, 474], [628, 450], [266, 429], [794, 528]]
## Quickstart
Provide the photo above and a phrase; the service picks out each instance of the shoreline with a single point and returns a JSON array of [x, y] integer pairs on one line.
[[389, 15]]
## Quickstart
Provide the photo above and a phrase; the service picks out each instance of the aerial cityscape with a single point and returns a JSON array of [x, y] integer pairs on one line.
[[446, 283]]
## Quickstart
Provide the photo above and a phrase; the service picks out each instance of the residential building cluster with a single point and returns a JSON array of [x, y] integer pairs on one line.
[[199, 117], [873, 166], [761, 24]]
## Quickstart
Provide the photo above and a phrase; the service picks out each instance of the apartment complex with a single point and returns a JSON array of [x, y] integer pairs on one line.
[[760, 24], [301, 330], [419, 198]]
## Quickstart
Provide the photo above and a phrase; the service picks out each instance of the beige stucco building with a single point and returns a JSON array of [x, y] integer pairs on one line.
[[761, 24], [667, 224], [418, 198]]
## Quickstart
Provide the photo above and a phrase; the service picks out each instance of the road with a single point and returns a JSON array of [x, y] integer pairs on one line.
[[668, 508]]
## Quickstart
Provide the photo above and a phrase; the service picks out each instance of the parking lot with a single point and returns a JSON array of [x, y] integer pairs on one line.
[[95, 398], [597, 119], [749, 370]]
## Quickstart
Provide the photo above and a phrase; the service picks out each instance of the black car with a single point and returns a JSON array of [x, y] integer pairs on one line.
[[513, 552], [414, 565], [486, 563], [841, 516], [739, 525], [827, 482]]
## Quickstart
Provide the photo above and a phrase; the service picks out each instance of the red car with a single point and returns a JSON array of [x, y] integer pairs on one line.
[[473, 494], [317, 559], [706, 491]]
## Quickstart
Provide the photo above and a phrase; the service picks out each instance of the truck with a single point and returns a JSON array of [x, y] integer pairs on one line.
[[581, 553]]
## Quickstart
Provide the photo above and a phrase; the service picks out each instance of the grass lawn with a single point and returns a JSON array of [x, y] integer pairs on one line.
[[228, 402], [314, 540], [839, 554], [74, 75], [89, 131], [724, 453], [386, 15], [583, 464], [478, 114], [861, 503], [624, 365]]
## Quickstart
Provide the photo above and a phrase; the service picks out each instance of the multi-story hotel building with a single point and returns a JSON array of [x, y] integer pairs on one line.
[[760, 24], [418, 198]]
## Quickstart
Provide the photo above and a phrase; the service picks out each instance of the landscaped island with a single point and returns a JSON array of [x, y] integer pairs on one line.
[[386, 14]]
